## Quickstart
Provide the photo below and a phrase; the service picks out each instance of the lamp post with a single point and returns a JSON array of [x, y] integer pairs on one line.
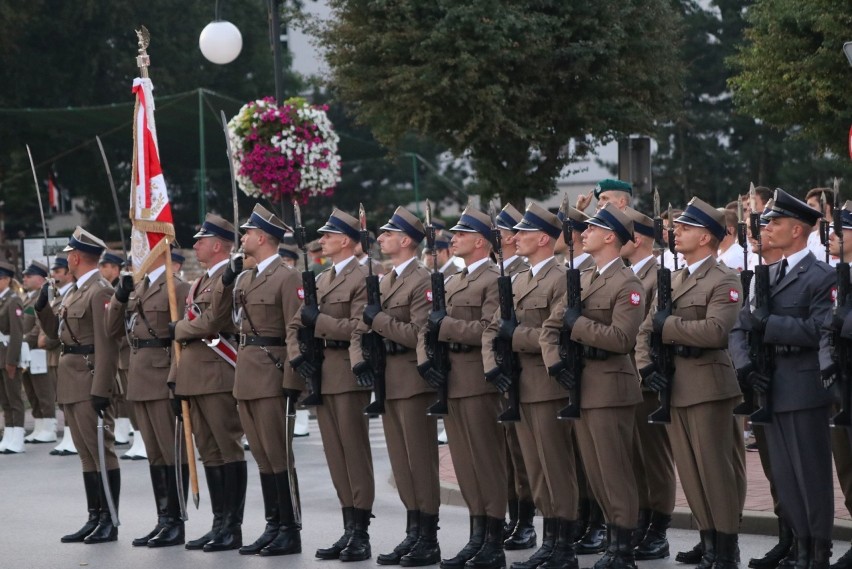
[[847, 51]]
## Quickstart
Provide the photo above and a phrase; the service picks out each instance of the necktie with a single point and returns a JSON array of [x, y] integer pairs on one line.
[[392, 277], [464, 272], [782, 272], [595, 275], [333, 272]]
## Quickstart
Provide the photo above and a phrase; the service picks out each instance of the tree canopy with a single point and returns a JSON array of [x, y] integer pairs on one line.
[[508, 84]]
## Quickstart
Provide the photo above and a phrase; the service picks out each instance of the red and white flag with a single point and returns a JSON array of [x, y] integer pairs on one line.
[[150, 212], [52, 192]]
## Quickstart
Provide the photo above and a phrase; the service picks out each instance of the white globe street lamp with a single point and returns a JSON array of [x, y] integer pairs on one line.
[[220, 42]]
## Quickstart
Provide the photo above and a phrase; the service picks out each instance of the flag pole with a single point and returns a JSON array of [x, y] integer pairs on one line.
[[143, 61]]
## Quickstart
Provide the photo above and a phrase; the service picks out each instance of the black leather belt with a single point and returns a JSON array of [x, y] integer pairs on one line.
[[336, 344], [392, 348], [457, 348], [784, 350], [233, 338], [251, 340], [137, 343], [82, 349], [688, 351], [592, 353]]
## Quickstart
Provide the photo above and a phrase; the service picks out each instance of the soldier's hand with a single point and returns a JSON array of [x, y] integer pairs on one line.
[[742, 376], [659, 320], [172, 326], [370, 313], [559, 371], [124, 288], [309, 315], [433, 377], [100, 404], [583, 201], [498, 379], [758, 382], [657, 382], [759, 318], [364, 375], [507, 329], [41, 301], [570, 318], [234, 268], [828, 376], [303, 367], [839, 317], [433, 324]]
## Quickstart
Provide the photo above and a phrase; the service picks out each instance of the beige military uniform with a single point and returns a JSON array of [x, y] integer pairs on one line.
[[343, 425], [546, 442], [410, 433], [40, 388], [476, 439], [612, 312], [704, 391], [80, 327], [11, 322]]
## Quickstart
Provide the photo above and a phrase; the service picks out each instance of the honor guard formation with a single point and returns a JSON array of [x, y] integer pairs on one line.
[[575, 361]]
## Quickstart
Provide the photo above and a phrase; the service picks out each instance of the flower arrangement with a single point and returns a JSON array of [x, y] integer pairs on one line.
[[287, 152]]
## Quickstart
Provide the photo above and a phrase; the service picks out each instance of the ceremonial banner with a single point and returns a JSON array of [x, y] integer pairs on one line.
[[150, 211]]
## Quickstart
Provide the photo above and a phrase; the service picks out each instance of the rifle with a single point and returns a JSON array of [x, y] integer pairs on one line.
[[571, 352], [825, 227], [437, 351], [842, 351], [310, 348], [742, 238], [747, 407], [507, 360], [662, 354], [372, 344]]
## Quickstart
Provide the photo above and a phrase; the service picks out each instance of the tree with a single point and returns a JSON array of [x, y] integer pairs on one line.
[[791, 72], [506, 83]]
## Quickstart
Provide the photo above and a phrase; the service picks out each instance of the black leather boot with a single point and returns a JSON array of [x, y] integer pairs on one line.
[[845, 561], [491, 554], [509, 526], [548, 542], [523, 536], [412, 534], [173, 530], [333, 552], [609, 553], [775, 555], [726, 551], [160, 485], [474, 544], [655, 545], [269, 491], [708, 541], [594, 540], [92, 486], [216, 488], [426, 550], [691, 557], [641, 527], [803, 553], [564, 554], [820, 553], [106, 530], [358, 548], [622, 553], [231, 534], [289, 538]]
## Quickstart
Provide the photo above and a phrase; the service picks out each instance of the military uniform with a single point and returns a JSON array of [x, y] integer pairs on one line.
[[205, 376], [144, 317], [11, 337], [40, 390], [87, 367], [52, 345]]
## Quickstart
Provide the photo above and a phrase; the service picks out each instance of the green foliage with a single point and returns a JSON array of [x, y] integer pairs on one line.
[[506, 83]]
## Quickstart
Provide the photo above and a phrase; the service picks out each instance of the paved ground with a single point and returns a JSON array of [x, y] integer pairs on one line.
[[42, 498]]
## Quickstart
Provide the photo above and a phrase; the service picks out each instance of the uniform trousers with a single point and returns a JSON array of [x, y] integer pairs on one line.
[[841, 448], [703, 446], [217, 428], [265, 424], [653, 465], [346, 441], [119, 400], [763, 453], [800, 450], [478, 448], [518, 480], [81, 418], [12, 400], [413, 452], [548, 450], [41, 393], [156, 422], [605, 437], [739, 459]]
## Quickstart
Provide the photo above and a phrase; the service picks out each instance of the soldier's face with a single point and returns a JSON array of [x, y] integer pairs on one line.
[[780, 232], [594, 238], [527, 242], [332, 243], [689, 238], [32, 282], [251, 241], [509, 239], [109, 271], [61, 276], [616, 198], [204, 249], [389, 242], [463, 243], [834, 242], [4, 283]]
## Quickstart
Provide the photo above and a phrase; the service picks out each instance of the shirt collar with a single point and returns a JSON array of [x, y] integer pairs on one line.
[[509, 261], [538, 266], [401, 267], [580, 258], [447, 265], [473, 266], [155, 274], [216, 267], [797, 257], [694, 266], [262, 266], [608, 265], [338, 267], [85, 278], [638, 266], [66, 287]]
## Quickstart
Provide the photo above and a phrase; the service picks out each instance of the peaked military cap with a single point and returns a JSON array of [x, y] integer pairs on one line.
[[289, 251], [215, 226], [611, 218], [60, 262], [699, 213], [341, 222], [263, 219], [474, 221], [177, 257], [83, 241], [536, 218], [37, 268], [438, 224], [579, 220], [442, 240], [846, 215], [508, 218], [642, 224], [112, 258], [406, 222], [7, 269], [787, 206], [764, 221], [609, 185]]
